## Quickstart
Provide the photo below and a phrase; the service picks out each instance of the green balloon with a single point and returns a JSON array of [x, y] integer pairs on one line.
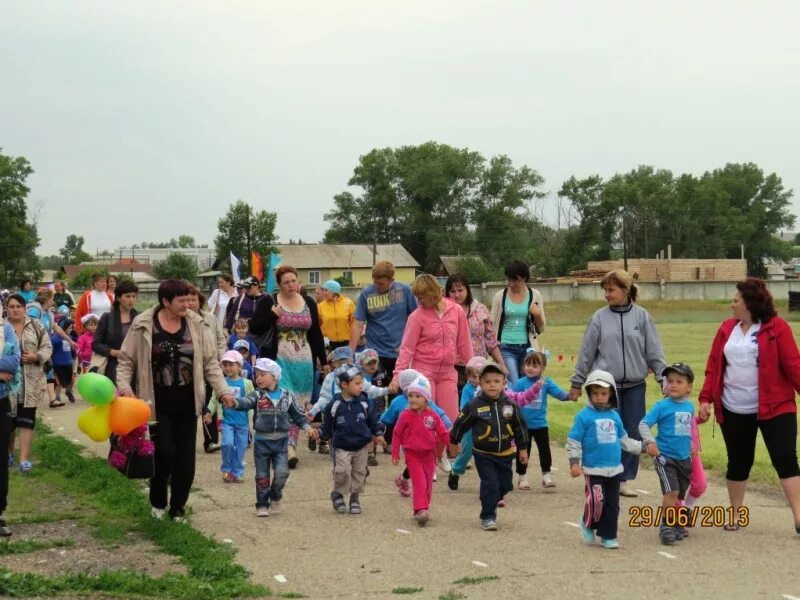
[[96, 389]]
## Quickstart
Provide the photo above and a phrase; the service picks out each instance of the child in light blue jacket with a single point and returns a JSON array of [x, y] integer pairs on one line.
[[535, 415]]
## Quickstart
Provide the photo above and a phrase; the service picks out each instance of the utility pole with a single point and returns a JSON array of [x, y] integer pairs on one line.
[[374, 245], [624, 244], [249, 246]]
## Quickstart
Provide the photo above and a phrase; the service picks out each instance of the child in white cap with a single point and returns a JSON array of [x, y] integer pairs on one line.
[[275, 410]]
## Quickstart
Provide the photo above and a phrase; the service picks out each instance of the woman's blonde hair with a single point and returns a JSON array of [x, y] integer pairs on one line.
[[621, 279], [426, 286]]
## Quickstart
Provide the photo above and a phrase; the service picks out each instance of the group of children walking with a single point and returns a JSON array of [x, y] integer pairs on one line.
[[496, 427]]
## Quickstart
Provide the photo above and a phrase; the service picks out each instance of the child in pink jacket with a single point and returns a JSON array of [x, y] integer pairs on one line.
[[435, 334], [85, 340], [422, 435]]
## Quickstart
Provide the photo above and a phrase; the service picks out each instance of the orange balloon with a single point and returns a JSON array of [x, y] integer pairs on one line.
[[127, 414]]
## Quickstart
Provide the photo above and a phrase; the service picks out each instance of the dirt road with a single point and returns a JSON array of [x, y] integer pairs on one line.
[[537, 552]]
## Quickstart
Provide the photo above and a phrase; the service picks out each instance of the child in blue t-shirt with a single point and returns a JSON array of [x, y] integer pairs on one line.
[[535, 415], [240, 332], [597, 439], [235, 424], [62, 359], [391, 414], [468, 392], [671, 448]]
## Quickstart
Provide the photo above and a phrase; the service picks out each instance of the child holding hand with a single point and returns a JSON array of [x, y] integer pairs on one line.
[[422, 435]]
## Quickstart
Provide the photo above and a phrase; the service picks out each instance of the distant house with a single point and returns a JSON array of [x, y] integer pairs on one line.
[[140, 272], [677, 269], [776, 271], [316, 263], [449, 265]]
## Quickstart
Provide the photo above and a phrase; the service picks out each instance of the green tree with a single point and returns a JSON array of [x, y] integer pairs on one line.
[[186, 241], [72, 253], [476, 270], [52, 262], [18, 236], [240, 225], [177, 265]]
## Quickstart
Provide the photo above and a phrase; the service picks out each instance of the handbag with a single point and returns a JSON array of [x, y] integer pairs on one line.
[[98, 363], [267, 339], [136, 466]]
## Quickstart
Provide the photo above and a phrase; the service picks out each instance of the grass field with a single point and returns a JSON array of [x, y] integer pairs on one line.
[[686, 329]]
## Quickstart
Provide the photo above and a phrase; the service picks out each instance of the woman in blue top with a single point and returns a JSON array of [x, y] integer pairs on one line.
[[26, 292], [518, 316]]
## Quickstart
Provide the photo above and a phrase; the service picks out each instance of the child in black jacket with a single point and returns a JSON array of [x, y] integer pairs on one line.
[[495, 422]]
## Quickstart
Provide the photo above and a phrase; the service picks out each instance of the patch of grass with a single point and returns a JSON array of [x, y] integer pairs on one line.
[[116, 502], [43, 517], [475, 580], [26, 546], [452, 595], [291, 595], [406, 590]]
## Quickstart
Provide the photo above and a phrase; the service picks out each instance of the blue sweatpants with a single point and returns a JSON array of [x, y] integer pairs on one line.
[[496, 481], [234, 445], [631, 410]]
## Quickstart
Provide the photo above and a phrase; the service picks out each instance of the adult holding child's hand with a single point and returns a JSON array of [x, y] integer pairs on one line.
[[621, 338], [752, 374]]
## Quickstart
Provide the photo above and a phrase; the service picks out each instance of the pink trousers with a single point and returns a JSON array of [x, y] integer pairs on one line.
[[444, 386], [421, 467]]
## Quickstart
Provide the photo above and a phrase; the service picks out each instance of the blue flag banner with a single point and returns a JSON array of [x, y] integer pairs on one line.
[[274, 261]]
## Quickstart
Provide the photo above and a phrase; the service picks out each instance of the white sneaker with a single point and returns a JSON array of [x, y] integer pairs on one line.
[[434, 477], [275, 507], [262, 511], [547, 481], [627, 491], [158, 513], [523, 483], [444, 464]]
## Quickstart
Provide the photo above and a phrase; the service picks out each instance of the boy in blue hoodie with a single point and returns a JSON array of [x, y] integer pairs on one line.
[[535, 415], [671, 448], [62, 359], [275, 410], [351, 423], [597, 439]]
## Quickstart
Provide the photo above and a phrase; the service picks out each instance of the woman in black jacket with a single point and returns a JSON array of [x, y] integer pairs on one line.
[[287, 324], [114, 326]]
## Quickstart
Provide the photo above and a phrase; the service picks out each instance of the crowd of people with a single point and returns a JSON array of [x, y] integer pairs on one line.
[[428, 373]]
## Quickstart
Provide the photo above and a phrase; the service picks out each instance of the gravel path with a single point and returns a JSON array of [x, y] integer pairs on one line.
[[537, 551]]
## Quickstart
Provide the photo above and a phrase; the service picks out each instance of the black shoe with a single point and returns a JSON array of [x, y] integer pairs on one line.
[[680, 532], [312, 444], [372, 460], [4, 530], [452, 481], [797, 528], [324, 448], [667, 535], [70, 397]]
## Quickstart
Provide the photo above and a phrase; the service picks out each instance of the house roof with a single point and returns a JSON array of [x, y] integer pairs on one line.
[[127, 266], [450, 263], [342, 256]]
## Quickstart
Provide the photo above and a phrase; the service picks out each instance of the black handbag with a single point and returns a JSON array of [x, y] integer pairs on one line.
[[136, 466]]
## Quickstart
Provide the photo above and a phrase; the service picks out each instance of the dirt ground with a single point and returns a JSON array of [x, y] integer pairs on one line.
[[537, 551]]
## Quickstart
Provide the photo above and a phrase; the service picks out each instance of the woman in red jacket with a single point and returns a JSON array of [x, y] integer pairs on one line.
[[752, 374]]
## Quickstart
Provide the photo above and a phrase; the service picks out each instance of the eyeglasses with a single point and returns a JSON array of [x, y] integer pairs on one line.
[[370, 363]]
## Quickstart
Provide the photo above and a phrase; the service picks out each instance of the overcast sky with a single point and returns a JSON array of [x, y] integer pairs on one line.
[[144, 120]]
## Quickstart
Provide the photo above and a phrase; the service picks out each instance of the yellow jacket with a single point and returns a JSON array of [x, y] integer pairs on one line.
[[336, 317]]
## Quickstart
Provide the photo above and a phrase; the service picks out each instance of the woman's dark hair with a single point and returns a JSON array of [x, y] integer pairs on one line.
[[460, 279], [283, 270], [757, 298], [227, 278], [124, 287], [17, 297], [516, 269], [170, 289], [97, 276]]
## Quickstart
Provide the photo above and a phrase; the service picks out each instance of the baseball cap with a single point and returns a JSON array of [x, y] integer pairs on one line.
[[681, 369], [233, 356], [346, 373], [601, 378], [477, 362], [241, 344], [342, 353], [249, 281], [491, 368]]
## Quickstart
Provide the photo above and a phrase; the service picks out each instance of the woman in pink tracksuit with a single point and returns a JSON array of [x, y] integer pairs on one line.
[[422, 435], [435, 333]]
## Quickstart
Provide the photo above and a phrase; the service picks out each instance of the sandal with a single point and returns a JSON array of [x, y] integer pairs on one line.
[[56, 404], [338, 503], [731, 527]]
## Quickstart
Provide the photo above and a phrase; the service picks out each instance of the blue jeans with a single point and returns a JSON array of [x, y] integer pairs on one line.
[[234, 444], [514, 358], [270, 455], [631, 410], [462, 460]]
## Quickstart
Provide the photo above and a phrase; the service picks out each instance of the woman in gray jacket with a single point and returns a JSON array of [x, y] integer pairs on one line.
[[621, 338]]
